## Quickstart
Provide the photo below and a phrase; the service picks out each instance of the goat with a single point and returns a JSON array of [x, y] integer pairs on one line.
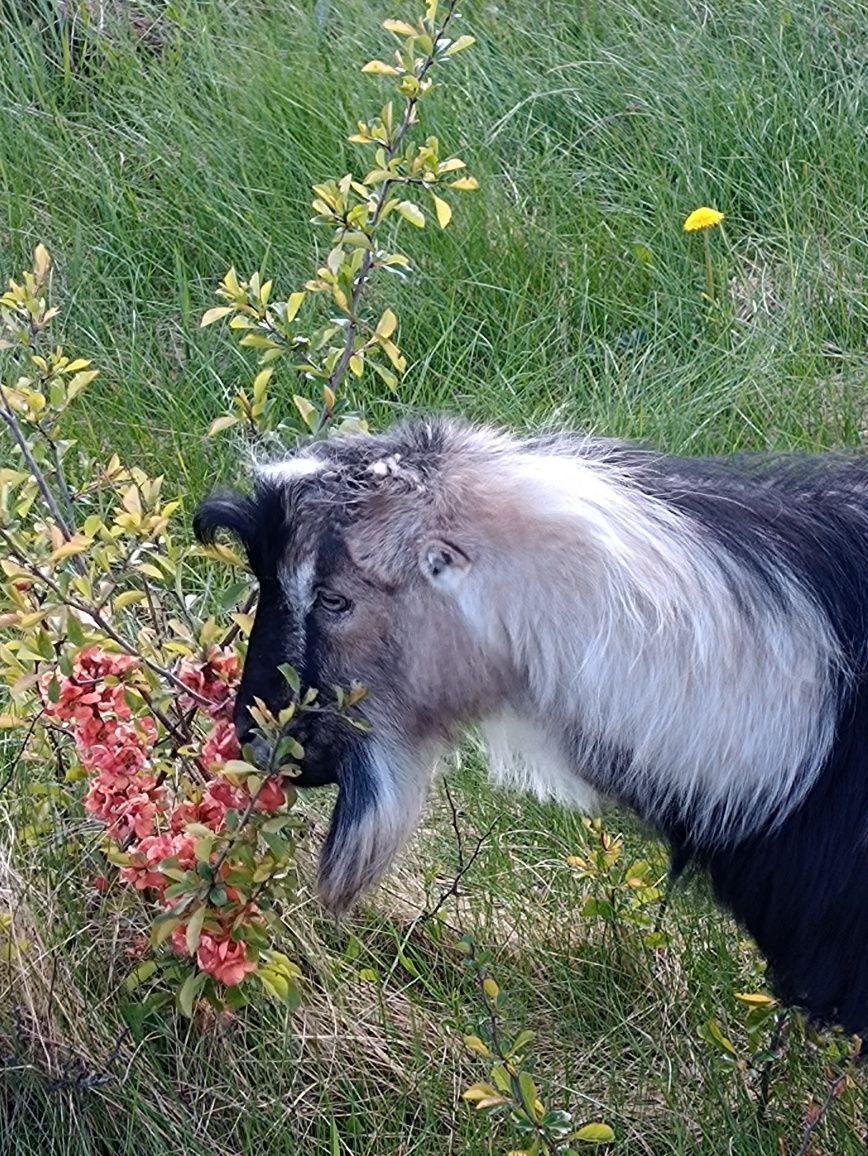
[[683, 637]]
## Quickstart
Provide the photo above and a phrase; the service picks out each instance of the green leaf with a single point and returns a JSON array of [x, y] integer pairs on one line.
[[521, 1040], [528, 1094], [194, 929], [190, 988], [290, 675], [595, 1134], [139, 974], [163, 928]]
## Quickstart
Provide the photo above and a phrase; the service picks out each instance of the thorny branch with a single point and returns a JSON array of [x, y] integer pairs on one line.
[[464, 865], [836, 1087]]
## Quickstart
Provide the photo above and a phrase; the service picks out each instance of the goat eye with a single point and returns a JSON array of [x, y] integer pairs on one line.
[[329, 600]]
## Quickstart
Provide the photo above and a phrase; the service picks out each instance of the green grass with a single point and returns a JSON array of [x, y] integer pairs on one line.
[[564, 290]]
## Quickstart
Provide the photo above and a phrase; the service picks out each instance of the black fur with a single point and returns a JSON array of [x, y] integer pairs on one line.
[[800, 887]]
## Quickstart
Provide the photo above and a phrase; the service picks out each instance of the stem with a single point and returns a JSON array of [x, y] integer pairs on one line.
[[709, 268], [60, 477], [8, 415], [834, 1092], [339, 372]]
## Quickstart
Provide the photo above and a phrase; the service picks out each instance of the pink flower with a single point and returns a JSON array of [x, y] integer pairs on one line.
[[224, 958], [271, 797], [223, 794], [85, 690], [213, 679], [128, 806], [144, 872], [221, 745], [217, 955], [179, 940]]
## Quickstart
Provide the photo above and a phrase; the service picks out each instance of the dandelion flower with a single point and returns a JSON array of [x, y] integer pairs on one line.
[[703, 218]]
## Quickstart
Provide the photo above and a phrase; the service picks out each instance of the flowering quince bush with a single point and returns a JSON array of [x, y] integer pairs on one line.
[[121, 686], [120, 660]]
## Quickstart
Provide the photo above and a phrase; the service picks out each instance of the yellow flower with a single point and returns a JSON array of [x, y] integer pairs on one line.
[[702, 219]]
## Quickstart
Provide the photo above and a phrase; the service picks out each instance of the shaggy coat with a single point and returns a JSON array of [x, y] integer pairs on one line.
[[684, 637]]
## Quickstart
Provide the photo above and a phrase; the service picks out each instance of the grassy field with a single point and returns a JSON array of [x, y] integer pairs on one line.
[[565, 289]]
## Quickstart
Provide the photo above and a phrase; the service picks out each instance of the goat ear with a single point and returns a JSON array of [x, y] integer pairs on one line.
[[443, 563]]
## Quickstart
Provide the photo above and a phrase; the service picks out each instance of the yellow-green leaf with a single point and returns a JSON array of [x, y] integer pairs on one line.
[[411, 213], [380, 68], [212, 315], [191, 987], [465, 184], [399, 27], [41, 262], [478, 1092], [387, 324], [239, 767], [139, 974], [476, 1045], [293, 305], [755, 999], [276, 985], [443, 210], [307, 411], [491, 989], [460, 44], [595, 1134], [219, 424], [76, 545], [128, 598], [79, 382], [260, 383]]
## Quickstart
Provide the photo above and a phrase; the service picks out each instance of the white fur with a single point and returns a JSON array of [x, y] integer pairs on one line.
[[289, 469], [524, 755], [616, 612]]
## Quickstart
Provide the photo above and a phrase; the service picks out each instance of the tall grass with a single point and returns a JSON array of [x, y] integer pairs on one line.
[[564, 291]]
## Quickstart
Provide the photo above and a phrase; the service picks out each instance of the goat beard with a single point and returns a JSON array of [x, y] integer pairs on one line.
[[381, 793]]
